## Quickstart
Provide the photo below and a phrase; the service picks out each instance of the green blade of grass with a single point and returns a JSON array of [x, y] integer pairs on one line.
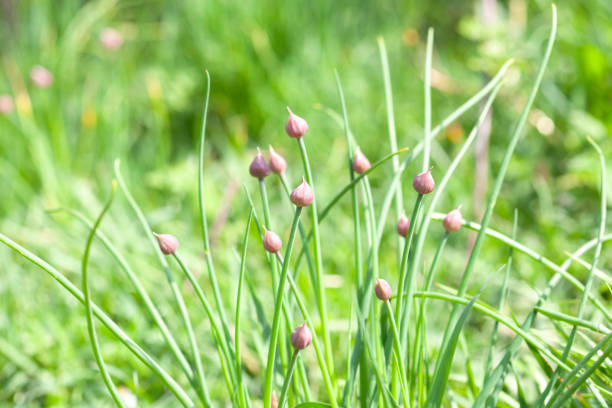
[[91, 329], [104, 318], [245, 242], [205, 241]]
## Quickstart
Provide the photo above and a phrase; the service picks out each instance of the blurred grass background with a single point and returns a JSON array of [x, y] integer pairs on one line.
[[142, 103]]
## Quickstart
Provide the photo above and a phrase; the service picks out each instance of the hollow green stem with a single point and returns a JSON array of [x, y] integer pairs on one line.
[[277, 310], [91, 330], [285, 390], [399, 357], [427, 84], [319, 290]]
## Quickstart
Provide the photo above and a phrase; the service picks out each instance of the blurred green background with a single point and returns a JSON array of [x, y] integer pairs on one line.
[[142, 103]]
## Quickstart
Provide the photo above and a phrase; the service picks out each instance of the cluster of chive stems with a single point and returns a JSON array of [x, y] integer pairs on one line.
[[303, 196]]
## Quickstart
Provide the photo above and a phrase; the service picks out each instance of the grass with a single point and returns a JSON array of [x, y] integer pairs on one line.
[[168, 345]]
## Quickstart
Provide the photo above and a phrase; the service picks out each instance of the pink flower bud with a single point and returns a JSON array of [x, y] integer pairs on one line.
[[360, 163], [259, 168], [453, 220], [111, 39], [272, 242], [41, 77], [424, 183], [278, 164], [403, 225], [6, 104], [382, 289], [303, 195], [167, 243], [296, 127], [274, 400], [301, 337]]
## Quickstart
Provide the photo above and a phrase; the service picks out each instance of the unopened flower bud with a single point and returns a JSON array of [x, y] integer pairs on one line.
[[301, 337], [41, 77], [274, 400], [360, 163], [403, 225], [453, 220], [382, 289], [6, 104], [259, 168], [424, 183], [272, 242], [278, 164], [303, 195], [296, 127], [167, 243], [111, 39]]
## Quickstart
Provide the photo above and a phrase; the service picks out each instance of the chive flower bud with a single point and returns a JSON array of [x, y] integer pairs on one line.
[[6, 104], [301, 337], [278, 164], [41, 76], [272, 242], [403, 225], [296, 127], [167, 243], [360, 163], [111, 39], [382, 289], [453, 220], [259, 167], [274, 400], [424, 183], [303, 195]]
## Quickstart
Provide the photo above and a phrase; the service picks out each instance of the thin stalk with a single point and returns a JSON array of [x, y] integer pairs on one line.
[[284, 391], [176, 389], [146, 299], [268, 224], [203, 389], [427, 84], [277, 310], [319, 290], [245, 242], [397, 351], [205, 241], [467, 273], [91, 330]]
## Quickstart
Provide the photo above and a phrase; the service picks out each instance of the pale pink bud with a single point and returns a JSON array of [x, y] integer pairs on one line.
[[296, 127], [274, 400], [424, 183], [301, 337], [453, 220], [111, 39], [259, 168], [382, 289], [167, 243], [272, 242], [278, 164], [403, 225], [6, 104], [303, 195], [360, 163], [41, 77]]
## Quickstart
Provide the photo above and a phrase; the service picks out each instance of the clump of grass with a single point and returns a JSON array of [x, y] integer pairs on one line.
[[393, 359]]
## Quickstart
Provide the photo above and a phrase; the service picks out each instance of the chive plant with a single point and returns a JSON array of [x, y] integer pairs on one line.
[[393, 360]]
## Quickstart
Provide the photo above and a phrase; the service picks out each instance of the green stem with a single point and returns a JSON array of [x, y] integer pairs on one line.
[[319, 290], [91, 330], [277, 310], [427, 84], [284, 392], [104, 318], [397, 351]]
